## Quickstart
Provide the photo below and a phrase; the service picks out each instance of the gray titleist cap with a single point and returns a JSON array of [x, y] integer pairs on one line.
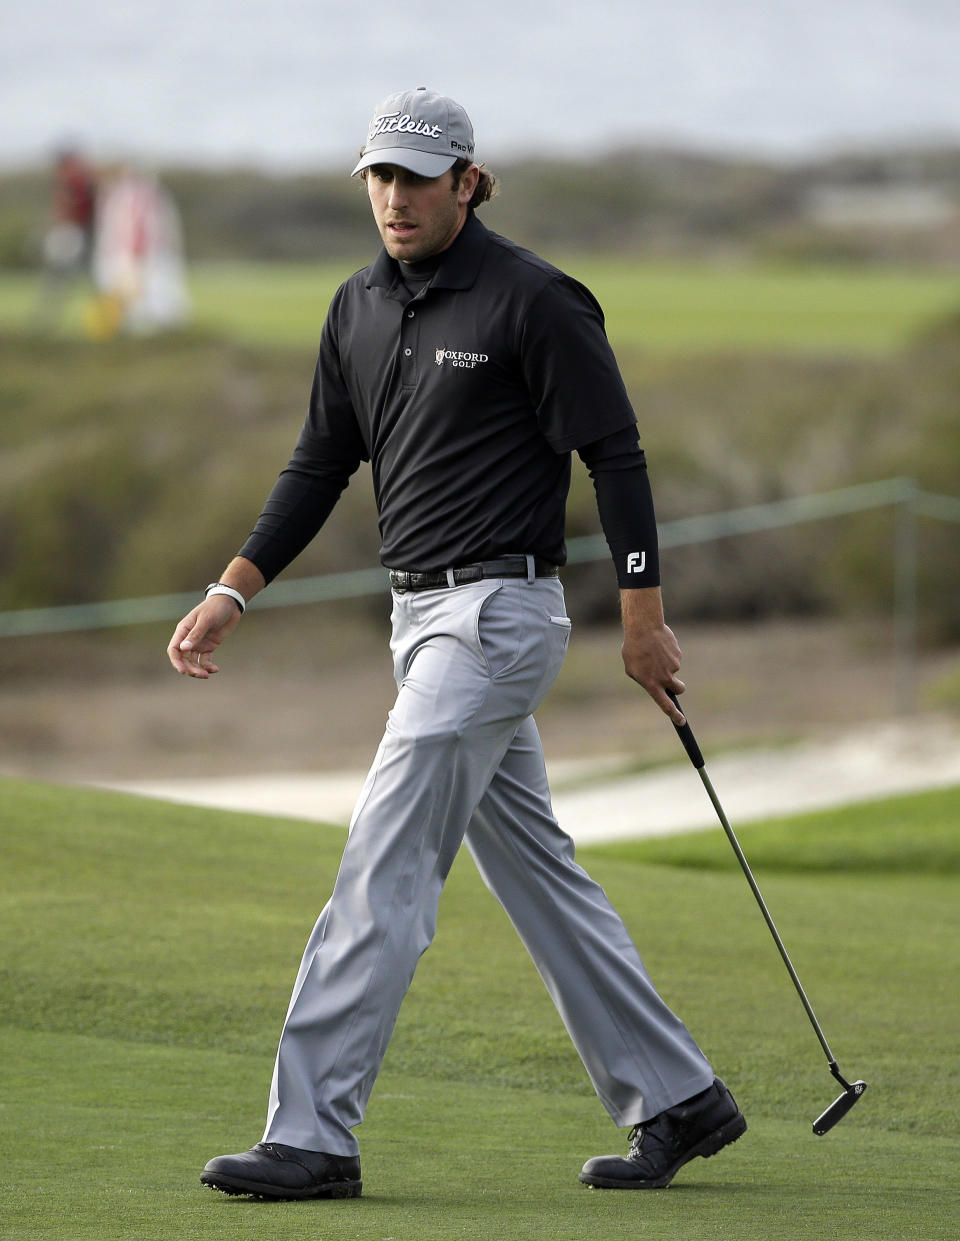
[[419, 130]]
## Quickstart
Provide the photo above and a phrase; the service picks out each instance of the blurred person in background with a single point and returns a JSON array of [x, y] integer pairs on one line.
[[68, 242], [138, 261]]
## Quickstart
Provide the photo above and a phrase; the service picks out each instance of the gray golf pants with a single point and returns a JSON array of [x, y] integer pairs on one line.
[[461, 760]]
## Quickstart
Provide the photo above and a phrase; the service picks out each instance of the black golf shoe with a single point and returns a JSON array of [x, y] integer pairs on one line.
[[660, 1147], [272, 1170]]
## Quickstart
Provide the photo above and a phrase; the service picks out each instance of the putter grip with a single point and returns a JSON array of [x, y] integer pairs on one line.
[[685, 733]]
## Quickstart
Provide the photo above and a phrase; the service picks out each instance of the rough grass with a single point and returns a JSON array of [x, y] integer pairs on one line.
[[147, 955], [750, 384], [138, 467]]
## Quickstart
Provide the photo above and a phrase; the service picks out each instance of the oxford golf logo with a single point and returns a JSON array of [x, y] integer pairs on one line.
[[636, 562], [465, 361]]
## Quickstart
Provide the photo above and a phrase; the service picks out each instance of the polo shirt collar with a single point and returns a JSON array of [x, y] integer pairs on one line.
[[460, 265]]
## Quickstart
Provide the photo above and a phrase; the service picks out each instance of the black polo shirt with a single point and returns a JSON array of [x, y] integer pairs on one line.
[[467, 399]]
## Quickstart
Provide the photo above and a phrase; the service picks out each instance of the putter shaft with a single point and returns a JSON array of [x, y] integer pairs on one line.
[[731, 836], [851, 1091]]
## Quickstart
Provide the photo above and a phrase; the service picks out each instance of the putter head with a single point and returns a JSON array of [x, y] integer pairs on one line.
[[838, 1108]]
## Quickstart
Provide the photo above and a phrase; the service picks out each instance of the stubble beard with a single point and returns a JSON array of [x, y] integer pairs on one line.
[[427, 240]]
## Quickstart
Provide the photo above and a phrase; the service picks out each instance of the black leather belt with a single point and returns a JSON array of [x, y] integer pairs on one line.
[[507, 566]]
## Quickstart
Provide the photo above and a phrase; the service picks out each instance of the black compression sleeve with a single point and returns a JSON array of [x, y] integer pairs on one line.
[[625, 502], [295, 510]]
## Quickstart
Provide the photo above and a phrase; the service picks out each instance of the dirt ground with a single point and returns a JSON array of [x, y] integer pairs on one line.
[[308, 688]]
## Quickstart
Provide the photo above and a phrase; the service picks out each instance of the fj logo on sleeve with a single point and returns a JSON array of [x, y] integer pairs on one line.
[[636, 562]]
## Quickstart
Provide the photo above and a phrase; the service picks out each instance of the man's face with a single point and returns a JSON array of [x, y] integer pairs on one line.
[[418, 216]]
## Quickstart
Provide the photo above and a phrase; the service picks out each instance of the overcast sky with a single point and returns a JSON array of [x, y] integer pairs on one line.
[[292, 83]]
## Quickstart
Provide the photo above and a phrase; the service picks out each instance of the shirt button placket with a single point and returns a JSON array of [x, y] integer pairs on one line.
[[409, 337]]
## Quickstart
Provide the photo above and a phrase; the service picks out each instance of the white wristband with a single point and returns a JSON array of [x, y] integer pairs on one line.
[[218, 588]]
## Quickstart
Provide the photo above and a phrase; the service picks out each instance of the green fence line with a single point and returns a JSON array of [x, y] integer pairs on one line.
[[319, 588]]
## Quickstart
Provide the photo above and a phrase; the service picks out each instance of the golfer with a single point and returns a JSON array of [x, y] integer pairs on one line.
[[466, 370]]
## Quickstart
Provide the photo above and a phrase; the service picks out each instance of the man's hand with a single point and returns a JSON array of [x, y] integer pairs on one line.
[[203, 629], [651, 653], [200, 633]]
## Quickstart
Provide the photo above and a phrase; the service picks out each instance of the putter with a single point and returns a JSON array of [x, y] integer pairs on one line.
[[851, 1090]]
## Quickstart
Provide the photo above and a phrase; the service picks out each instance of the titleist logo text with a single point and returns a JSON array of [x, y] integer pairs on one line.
[[397, 123]]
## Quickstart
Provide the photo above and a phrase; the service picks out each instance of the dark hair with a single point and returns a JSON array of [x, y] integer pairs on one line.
[[486, 185]]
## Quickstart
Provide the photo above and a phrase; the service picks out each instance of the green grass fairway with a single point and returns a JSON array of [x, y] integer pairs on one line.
[[655, 305], [147, 954], [648, 305], [691, 307]]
